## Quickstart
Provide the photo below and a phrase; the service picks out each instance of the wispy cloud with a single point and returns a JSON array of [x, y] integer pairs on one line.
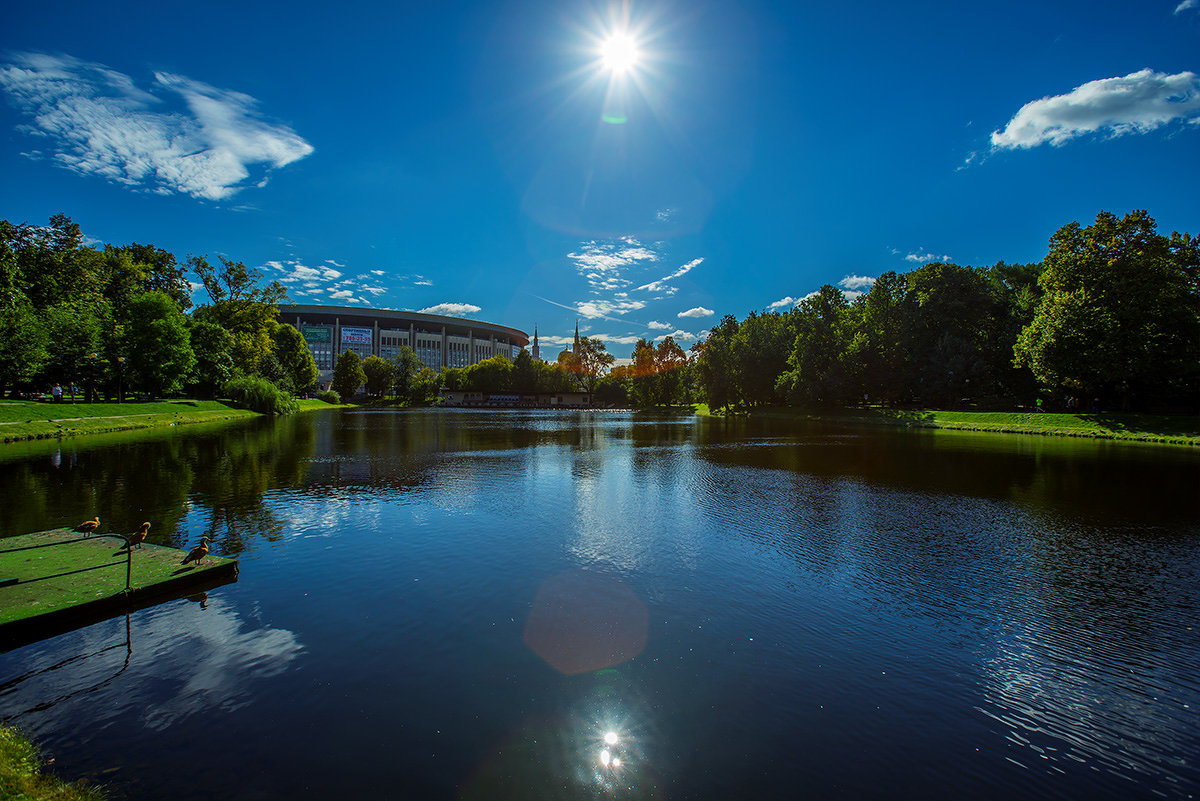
[[658, 326], [1139, 102], [699, 311], [1187, 5], [602, 264], [324, 282], [452, 309], [789, 302], [178, 136], [603, 308], [661, 285]]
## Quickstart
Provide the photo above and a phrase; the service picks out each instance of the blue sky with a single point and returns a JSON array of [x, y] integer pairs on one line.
[[479, 159]]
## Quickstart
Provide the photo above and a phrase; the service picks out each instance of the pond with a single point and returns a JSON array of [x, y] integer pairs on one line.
[[486, 605]]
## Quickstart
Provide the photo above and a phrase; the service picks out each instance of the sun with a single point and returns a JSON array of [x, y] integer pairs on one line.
[[619, 53]]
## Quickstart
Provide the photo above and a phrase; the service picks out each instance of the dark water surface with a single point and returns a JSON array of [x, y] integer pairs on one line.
[[467, 605]]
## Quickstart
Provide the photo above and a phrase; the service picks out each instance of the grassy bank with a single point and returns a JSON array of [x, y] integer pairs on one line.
[[21, 774], [1170, 429], [25, 420]]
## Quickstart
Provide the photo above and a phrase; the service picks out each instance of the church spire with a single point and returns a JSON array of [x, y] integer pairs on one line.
[[536, 351], [575, 349]]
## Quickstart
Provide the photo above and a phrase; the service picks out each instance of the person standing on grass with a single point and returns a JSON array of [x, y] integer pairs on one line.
[[57, 393]]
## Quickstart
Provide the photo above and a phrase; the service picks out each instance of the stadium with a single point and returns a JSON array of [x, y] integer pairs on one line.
[[438, 341]]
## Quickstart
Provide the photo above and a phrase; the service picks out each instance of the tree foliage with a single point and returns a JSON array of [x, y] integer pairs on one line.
[[348, 375]]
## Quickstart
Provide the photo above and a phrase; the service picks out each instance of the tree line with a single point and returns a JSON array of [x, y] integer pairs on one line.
[[119, 319], [1110, 318]]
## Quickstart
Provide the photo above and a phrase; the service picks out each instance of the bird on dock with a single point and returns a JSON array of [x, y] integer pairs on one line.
[[139, 536], [89, 526], [198, 553]]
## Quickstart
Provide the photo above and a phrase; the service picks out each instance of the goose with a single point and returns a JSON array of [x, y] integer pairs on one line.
[[198, 553]]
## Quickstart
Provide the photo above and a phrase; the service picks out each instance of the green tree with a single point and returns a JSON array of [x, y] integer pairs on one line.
[[588, 363], [295, 359], [212, 346], [241, 306], [427, 386], [379, 375], [819, 368], [1120, 312], [882, 357], [524, 375], [348, 375], [157, 345], [23, 341], [715, 366], [73, 340], [489, 375], [949, 317], [405, 367]]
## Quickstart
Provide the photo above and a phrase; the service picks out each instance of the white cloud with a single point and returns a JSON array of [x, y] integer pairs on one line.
[[374, 272], [678, 336], [665, 214], [924, 257], [661, 284], [1136, 103], [422, 282], [341, 294], [859, 282], [659, 326], [699, 311], [790, 302], [452, 309], [101, 123], [1187, 5], [339, 264]]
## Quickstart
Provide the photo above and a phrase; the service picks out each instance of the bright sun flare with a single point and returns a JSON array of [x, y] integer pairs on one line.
[[619, 53]]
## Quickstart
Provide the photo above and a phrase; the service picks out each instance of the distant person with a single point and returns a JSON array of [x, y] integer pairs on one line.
[[57, 393], [1095, 406]]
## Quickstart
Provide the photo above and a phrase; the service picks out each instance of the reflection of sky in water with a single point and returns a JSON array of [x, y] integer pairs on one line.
[[821, 615], [183, 659], [1060, 698]]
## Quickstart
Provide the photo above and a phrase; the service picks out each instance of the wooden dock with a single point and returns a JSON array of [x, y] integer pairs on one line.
[[59, 580]]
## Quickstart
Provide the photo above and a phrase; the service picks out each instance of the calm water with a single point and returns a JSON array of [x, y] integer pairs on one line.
[[458, 605]]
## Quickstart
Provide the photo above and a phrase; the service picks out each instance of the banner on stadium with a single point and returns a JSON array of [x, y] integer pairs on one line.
[[356, 336], [316, 334]]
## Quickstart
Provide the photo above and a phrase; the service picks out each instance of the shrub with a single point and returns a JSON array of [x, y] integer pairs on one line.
[[329, 396], [260, 395]]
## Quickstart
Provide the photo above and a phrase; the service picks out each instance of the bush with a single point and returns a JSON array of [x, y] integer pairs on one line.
[[329, 396], [260, 395]]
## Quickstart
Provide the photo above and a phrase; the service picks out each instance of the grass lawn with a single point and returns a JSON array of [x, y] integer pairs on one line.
[[1171, 429], [24, 420]]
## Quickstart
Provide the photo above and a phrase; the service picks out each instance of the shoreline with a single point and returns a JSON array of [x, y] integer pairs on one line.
[[27, 421], [1118, 426]]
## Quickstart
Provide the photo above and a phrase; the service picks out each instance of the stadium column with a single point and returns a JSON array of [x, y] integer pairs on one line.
[[444, 362], [375, 339]]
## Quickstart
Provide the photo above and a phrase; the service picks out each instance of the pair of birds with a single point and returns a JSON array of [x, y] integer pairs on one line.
[[136, 539]]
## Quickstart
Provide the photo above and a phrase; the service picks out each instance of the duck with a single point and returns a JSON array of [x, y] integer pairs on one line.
[[139, 536], [198, 553], [88, 526]]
